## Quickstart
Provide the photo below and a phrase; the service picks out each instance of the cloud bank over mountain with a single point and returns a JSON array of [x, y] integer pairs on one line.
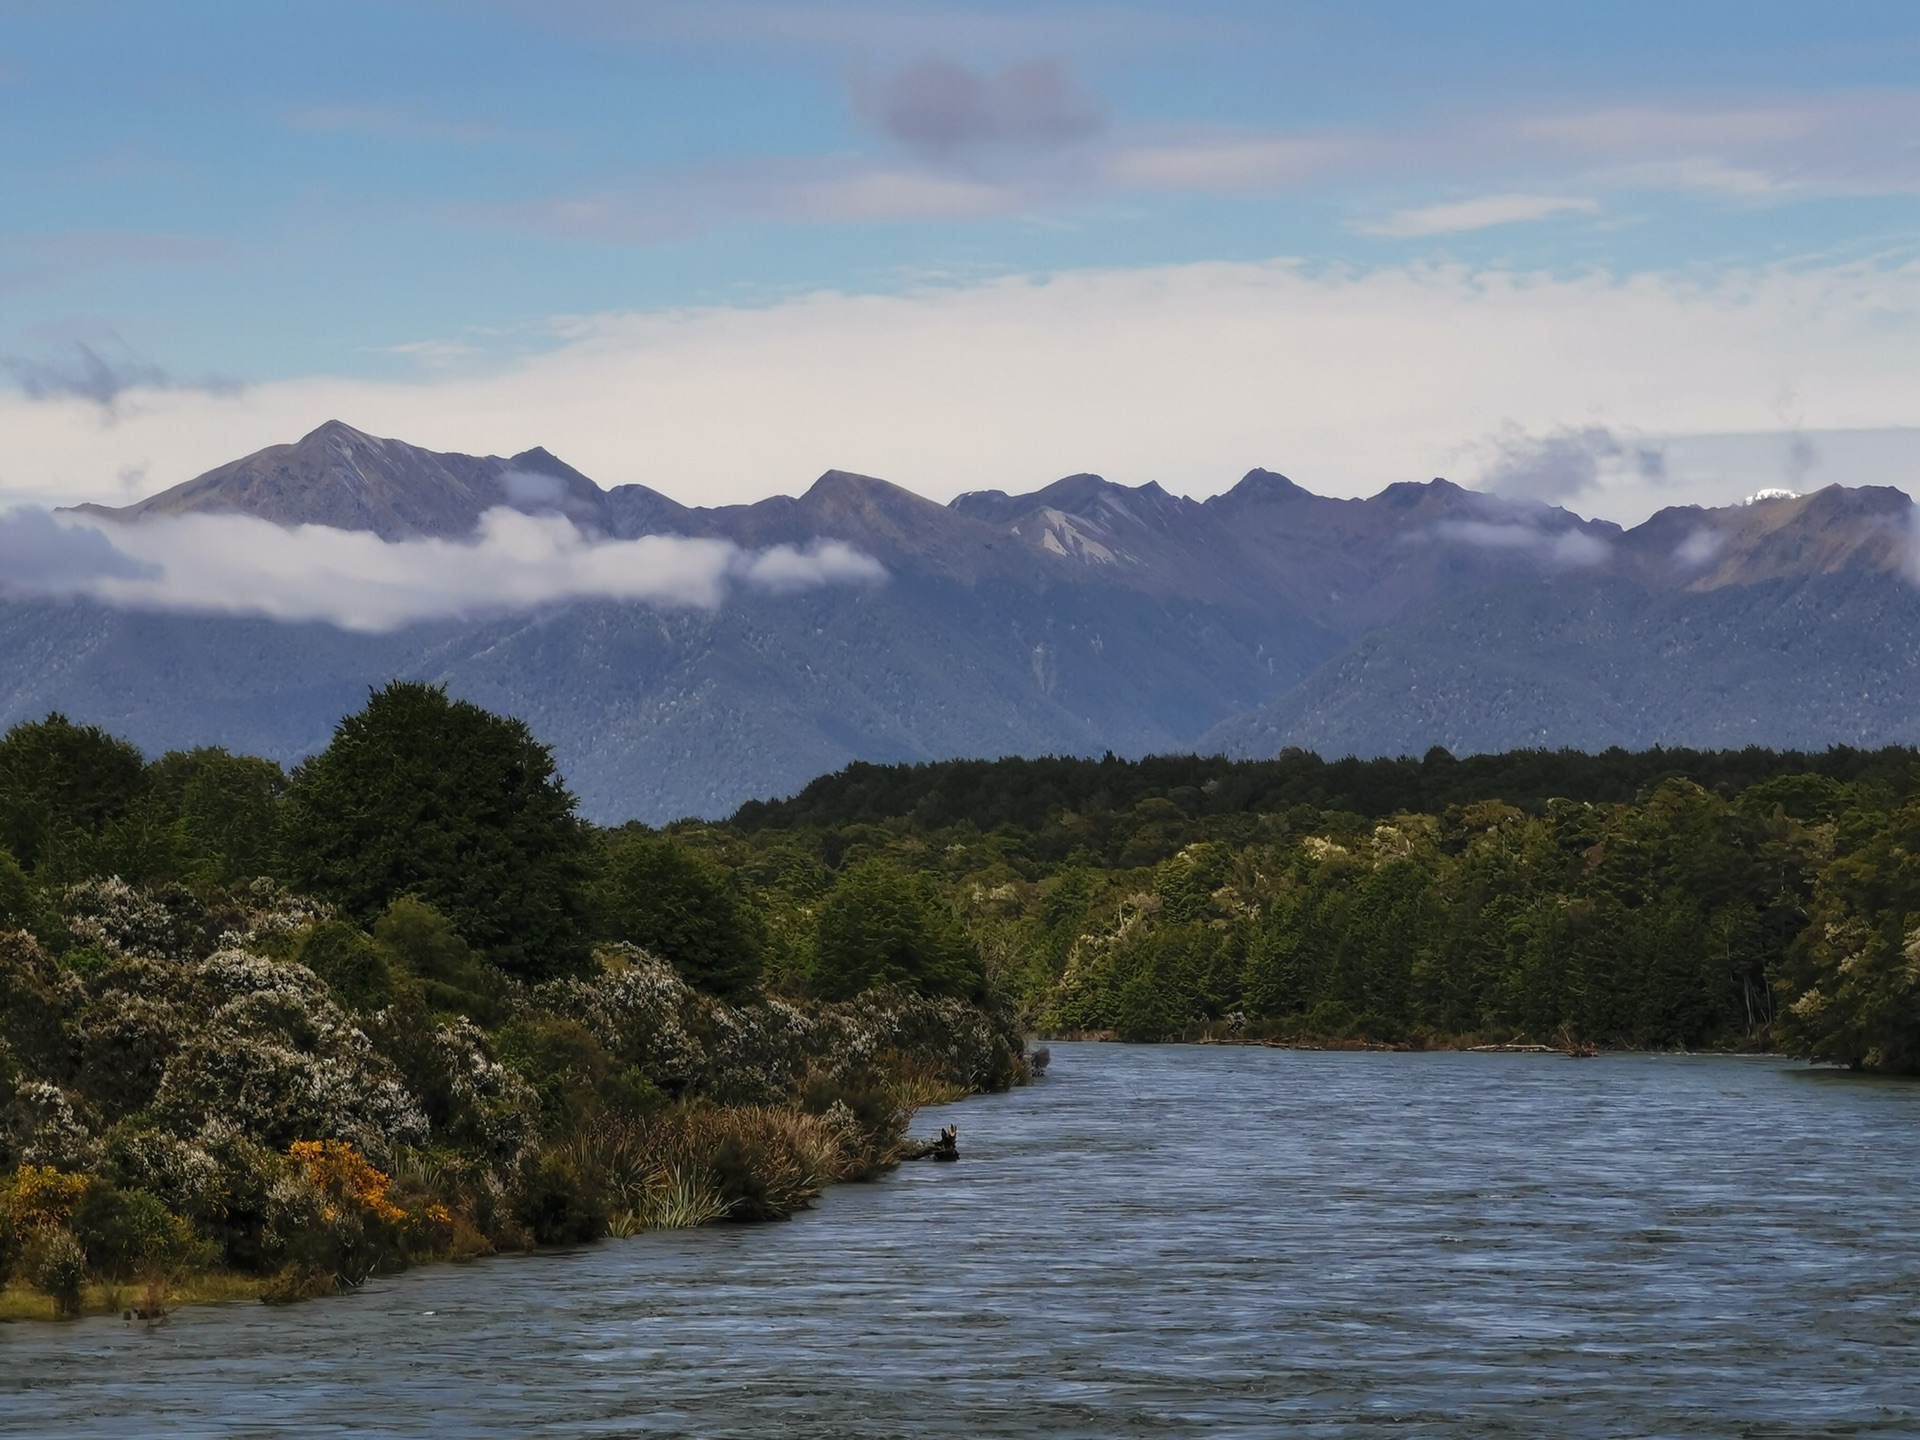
[[243, 565], [1613, 394]]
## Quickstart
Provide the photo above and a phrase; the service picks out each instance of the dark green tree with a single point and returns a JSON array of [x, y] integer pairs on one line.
[[221, 813], [426, 796], [62, 787], [881, 926], [662, 896]]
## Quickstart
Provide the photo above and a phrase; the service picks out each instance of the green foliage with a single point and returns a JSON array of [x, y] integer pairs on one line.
[[354, 967], [62, 789], [20, 904], [129, 1234], [574, 1075], [55, 1263], [1662, 923], [658, 894], [561, 1200], [422, 795], [1028, 794], [220, 814], [422, 942], [1852, 984], [881, 925]]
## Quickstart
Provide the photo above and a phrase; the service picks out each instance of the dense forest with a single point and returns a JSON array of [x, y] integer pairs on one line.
[[1668, 898], [402, 1003]]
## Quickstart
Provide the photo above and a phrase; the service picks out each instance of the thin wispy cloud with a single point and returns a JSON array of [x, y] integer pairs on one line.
[[1225, 163], [83, 371], [867, 27], [242, 565], [1481, 213], [979, 144]]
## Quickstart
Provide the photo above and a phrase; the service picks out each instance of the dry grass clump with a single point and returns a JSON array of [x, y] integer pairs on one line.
[[697, 1164]]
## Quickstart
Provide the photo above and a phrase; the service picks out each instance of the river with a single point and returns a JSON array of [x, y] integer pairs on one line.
[[1166, 1241]]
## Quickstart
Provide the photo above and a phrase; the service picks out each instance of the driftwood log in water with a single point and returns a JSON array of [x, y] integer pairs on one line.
[[946, 1147]]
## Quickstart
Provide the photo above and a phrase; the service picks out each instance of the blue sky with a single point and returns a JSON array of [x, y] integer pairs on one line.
[[222, 218]]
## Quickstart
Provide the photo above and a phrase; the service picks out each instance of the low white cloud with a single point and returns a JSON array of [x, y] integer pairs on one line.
[[1701, 547], [1481, 213], [1562, 549], [1347, 380], [238, 564]]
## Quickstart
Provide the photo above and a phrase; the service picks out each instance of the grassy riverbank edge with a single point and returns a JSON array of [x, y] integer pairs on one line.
[[20, 1301]]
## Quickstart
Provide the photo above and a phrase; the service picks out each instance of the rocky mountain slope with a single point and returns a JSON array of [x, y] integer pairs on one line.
[[1083, 617]]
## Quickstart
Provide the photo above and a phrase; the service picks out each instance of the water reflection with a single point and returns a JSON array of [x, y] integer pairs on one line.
[[1163, 1241]]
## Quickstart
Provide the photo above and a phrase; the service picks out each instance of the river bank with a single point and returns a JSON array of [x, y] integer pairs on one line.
[[227, 1104], [672, 1176]]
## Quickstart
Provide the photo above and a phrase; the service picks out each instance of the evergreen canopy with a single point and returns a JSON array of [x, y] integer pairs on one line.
[[668, 899], [436, 798]]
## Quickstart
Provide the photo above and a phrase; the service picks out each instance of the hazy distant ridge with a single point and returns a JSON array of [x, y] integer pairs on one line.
[[1082, 617]]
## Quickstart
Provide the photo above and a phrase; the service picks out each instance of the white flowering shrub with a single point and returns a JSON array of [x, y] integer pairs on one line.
[[641, 1011], [115, 915], [45, 1128], [279, 1059], [491, 1109]]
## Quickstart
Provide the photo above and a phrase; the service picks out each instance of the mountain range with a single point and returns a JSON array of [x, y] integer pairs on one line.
[[1083, 617]]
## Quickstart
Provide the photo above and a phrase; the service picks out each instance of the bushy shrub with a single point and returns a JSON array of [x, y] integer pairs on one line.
[[126, 1041], [42, 1196], [186, 1176], [352, 966], [281, 1061], [130, 1234], [42, 1126], [641, 1011], [330, 1214], [168, 922], [870, 1115], [55, 1264], [421, 941], [560, 1199]]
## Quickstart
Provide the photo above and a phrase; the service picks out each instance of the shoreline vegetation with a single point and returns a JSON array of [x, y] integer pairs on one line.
[[268, 1034], [271, 1035]]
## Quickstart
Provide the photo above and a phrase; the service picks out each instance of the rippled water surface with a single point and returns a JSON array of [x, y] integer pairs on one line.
[[1162, 1241]]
